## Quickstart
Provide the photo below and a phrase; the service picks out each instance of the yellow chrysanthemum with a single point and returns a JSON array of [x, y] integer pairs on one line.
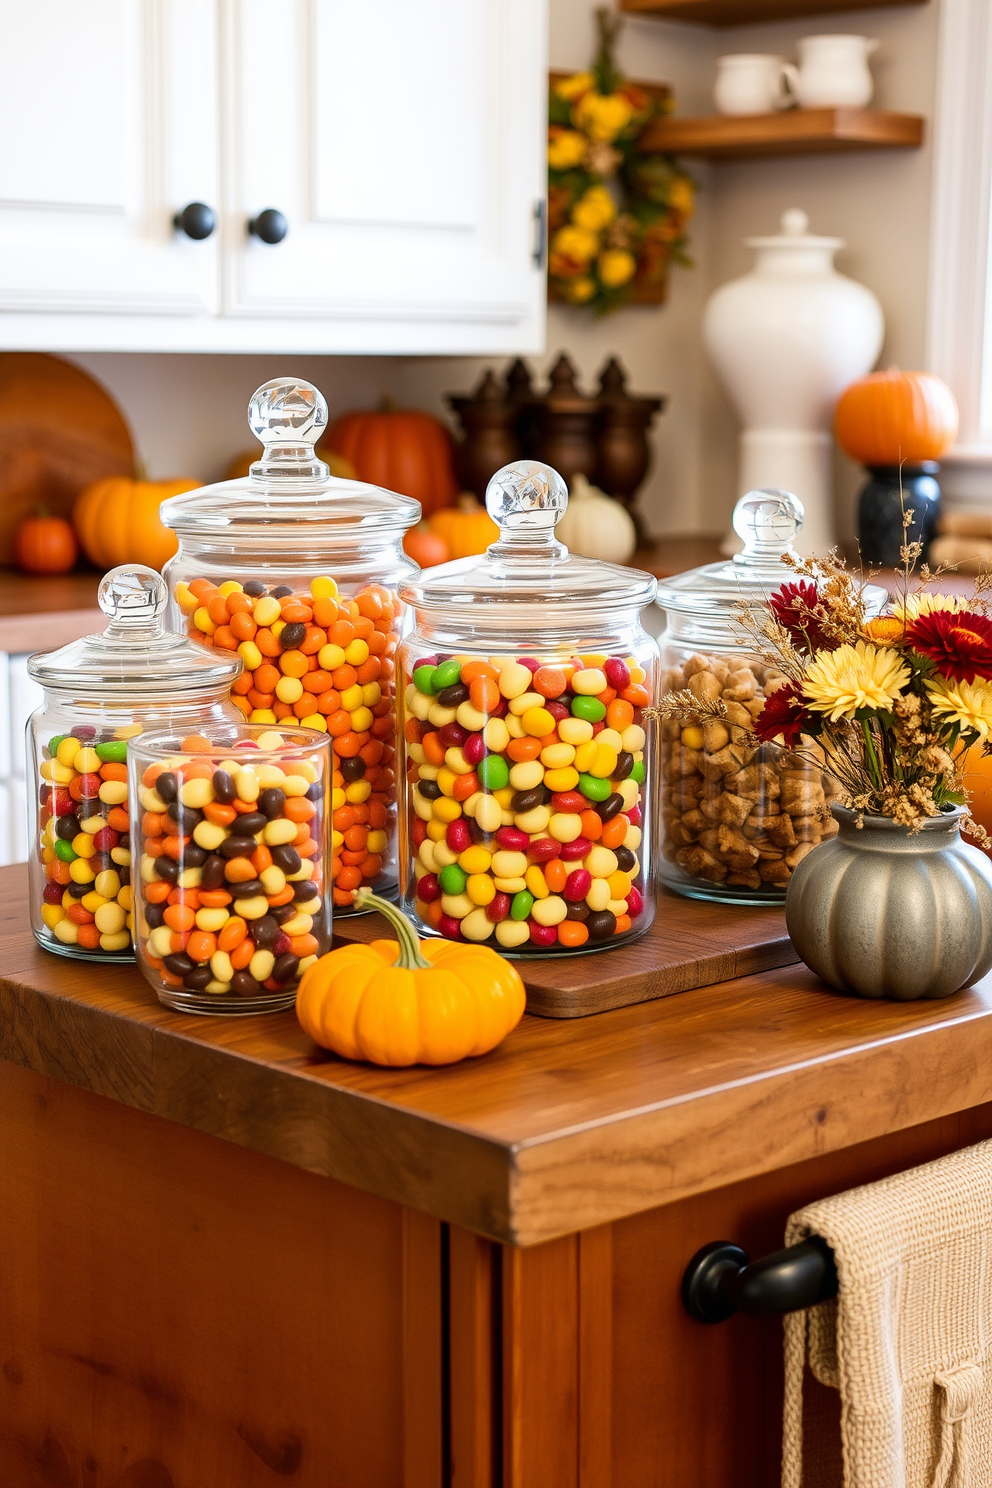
[[682, 196], [566, 148], [595, 209], [927, 604], [839, 683], [576, 243], [968, 704], [616, 266], [603, 116], [580, 291], [574, 86], [885, 630]]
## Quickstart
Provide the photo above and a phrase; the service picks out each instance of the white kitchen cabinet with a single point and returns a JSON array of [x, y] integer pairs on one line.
[[403, 143]]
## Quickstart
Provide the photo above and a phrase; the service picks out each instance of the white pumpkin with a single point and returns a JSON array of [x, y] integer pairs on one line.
[[595, 525]]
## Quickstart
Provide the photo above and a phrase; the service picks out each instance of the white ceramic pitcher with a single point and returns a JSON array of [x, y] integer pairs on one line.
[[834, 71], [753, 83]]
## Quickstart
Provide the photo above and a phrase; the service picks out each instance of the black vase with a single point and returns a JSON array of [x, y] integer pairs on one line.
[[880, 510]]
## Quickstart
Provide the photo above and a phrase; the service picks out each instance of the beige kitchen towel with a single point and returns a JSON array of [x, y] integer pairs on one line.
[[906, 1342]]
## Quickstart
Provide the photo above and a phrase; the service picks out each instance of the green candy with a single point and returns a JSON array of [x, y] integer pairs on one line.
[[113, 752], [453, 879], [637, 773], [446, 675], [521, 905], [423, 679], [589, 708], [64, 851], [493, 772], [594, 788], [54, 742]]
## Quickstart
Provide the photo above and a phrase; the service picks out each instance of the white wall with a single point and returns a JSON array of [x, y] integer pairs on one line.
[[187, 412]]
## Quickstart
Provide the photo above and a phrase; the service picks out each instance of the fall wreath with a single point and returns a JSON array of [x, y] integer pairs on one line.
[[617, 216]]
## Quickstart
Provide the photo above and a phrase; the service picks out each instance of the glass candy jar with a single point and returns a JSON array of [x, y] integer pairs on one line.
[[231, 835], [297, 572], [525, 819], [736, 817], [100, 693]]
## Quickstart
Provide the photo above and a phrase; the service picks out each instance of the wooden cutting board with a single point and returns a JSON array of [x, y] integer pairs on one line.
[[691, 944], [59, 430]]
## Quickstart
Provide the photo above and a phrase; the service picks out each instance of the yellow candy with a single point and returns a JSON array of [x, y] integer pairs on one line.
[[550, 911], [51, 914], [598, 896], [604, 761], [534, 821], [448, 810], [456, 761], [299, 924], [444, 855], [187, 602], [520, 705], [562, 780], [50, 769], [203, 622], [121, 941], [245, 783], [361, 720], [514, 680], [371, 694], [83, 845], [262, 715], [512, 933], [565, 826], [66, 931], [212, 919], [557, 756], [480, 889], [536, 882], [128, 731], [197, 793], [436, 829], [488, 812], [357, 792], [509, 864], [496, 735], [477, 925], [108, 883], [589, 682], [538, 722], [93, 900], [619, 885], [356, 652], [267, 610], [276, 833], [351, 698], [67, 751], [220, 965], [289, 689], [331, 657], [298, 783], [315, 721], [456, 905], [323, 587], [110, 919], [250, 655], [601, 862], [475, 859], [377, 841], [252, 909], [575, 730], [80, 871], [526, 774], [113, 792], [633, 738], [584, 755], [261, 964]]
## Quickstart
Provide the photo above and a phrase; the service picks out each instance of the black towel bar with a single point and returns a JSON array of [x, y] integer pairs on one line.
[[719, 1280]]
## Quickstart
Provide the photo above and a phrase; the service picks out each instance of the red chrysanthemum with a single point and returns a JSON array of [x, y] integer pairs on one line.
[[786, 716], [959, 645], [799, 609]]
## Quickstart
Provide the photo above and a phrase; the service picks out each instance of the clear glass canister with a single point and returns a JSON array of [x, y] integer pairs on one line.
[[736, 817], [526, 816], [231, 835], [100, 693], [297, 572]]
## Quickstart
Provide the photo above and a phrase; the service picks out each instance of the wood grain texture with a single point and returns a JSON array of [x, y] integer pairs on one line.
[[567, 1125], [747, 12], [178, 1313], [541, 1365], [475, 1382], [690, 944], [596, 1358], [793, 132]]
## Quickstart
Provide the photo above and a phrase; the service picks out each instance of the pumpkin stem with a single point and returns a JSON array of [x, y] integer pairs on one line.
[[410, 958]]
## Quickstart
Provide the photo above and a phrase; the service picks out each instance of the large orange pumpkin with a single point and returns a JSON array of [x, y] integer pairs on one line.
[[892, 416], [399, 448], [117, 521]]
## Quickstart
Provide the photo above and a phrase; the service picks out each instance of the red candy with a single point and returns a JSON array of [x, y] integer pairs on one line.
[[498, 908], [577, 884], [543, 935], [617, 673], [429, 888], [457, 835], [545, 848], [573, 851], [513, 839], [474, 749]]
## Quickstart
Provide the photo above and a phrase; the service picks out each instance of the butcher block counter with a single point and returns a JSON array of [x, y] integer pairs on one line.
[[232, 1260]]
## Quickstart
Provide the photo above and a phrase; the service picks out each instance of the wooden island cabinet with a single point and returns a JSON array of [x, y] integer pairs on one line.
[[229, 1260]]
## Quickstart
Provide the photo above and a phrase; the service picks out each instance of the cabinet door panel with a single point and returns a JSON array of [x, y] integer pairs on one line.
[[403, 143], [108, 112]]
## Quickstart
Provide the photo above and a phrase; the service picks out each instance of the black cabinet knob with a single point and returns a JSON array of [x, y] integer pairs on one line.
[[196, 221], [270, 225]]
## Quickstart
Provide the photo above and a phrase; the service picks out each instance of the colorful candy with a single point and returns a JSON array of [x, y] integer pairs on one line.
[[231, 893], [525, 793], [84, 840], [326, 661]]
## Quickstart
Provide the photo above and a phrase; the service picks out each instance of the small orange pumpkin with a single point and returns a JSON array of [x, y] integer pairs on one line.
[[44, 544], [425, 547], [892, 416], [466, 528], [402, 449], [118, 522]]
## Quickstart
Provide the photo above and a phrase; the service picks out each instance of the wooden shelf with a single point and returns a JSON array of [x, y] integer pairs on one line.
[[748, 12], [795, 132]]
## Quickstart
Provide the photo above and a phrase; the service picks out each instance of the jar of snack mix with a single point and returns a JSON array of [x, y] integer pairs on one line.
[[231, 834], [101, 693], [297, 572], [737, 816], [526, 820]]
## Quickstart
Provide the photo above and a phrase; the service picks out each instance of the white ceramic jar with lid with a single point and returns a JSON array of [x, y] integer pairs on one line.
[[526, 816]]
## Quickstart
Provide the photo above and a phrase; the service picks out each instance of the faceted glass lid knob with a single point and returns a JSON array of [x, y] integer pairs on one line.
[[767, 523], [526, 495], [134, 600], [288, 416]]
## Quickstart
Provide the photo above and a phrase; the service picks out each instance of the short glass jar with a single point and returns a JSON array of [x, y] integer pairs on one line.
[[231, 834], [297, 572], [737, 817], [101, 693], [526, 815]]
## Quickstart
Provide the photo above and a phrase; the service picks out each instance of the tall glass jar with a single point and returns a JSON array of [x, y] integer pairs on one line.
[[526, 813], [737, 818], [297, 572], [100, 693]]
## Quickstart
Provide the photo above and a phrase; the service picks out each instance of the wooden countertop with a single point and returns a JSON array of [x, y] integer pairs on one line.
[[565, 1126], [38, 614]]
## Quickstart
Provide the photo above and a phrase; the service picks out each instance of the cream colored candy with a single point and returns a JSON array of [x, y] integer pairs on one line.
[[197, 793]]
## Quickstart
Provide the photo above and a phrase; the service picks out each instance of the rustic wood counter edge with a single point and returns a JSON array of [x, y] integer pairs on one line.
[[566, 1126]]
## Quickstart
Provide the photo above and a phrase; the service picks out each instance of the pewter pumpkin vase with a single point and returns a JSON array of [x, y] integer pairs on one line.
[[886, 913]]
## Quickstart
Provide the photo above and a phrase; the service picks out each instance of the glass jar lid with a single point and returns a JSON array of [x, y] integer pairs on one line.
[[766, 521], [527, 576], [290, 494], [135, 658]]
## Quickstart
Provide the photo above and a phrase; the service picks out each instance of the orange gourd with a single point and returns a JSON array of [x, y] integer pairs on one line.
[[401, 449], [425, 547], [466, 528], [892, 416], [44, 544], [117, 521], [409, 1001]]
